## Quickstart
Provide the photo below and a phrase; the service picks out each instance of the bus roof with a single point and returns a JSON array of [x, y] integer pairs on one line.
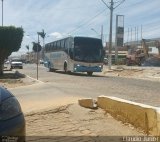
[[83, 37]]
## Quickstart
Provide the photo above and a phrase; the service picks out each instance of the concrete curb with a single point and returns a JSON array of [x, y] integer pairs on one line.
[[24, 75], [139, 115], [88, 103]]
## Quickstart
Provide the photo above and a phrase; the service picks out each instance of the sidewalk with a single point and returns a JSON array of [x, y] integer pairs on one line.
[[73, 120]]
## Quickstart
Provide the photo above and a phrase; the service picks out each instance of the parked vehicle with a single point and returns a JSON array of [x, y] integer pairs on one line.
[[16, 63], [41, 61], [12, 122], [7, 65]]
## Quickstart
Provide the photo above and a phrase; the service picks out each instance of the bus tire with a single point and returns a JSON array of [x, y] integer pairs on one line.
[[65, 67], [90, 73]]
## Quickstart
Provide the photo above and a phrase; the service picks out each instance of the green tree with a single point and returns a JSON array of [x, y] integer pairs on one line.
[[10, 41], [42, 34]]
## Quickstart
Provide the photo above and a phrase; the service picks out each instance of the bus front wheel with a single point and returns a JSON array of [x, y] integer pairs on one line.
[[89, 73]]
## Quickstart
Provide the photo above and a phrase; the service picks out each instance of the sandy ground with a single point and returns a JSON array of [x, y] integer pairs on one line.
[[147, 73], [73, 120]]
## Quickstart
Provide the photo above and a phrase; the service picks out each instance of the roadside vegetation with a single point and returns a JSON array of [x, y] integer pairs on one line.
[[11, 79], [10, 41]]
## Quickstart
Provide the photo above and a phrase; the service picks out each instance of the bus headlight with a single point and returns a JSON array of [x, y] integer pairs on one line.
[[100, 66], [76, 65]]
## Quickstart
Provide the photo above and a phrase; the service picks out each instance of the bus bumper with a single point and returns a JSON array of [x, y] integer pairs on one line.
[[80, 68]]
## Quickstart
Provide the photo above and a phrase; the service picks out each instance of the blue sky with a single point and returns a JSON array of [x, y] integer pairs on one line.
[[61, 18]]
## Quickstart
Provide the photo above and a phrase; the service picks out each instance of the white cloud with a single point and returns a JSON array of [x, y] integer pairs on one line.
[[56, 35], [60, 17]]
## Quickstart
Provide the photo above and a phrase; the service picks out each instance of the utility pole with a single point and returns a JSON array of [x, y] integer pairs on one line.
[[141, 35], [102, 33], [37, 54], [128, 37], [111, 8], [131, 36], [137, 34], [135, 37], [2, 13], [110, 37]]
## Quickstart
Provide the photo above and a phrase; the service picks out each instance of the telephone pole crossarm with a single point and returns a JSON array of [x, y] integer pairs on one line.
[[105, 3], [119, 4]]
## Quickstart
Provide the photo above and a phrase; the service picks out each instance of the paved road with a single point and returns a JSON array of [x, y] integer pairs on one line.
[[81, 85], [58, 88]]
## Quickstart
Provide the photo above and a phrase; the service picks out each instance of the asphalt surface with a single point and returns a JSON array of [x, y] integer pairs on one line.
[[53, 89], [81, 85]]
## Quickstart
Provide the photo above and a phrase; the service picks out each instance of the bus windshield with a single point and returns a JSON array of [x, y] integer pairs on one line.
[[88, 50]]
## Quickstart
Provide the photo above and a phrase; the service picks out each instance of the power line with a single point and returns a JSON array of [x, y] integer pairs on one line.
[[86, 22], [133, 4]]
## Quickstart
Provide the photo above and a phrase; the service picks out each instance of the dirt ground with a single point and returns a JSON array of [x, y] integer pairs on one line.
[[73, 120], [12, 79], [147, 73]]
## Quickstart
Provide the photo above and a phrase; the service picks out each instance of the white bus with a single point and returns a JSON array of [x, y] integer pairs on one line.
[[75, 54]]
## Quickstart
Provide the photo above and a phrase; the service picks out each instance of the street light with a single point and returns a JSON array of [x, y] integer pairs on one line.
[[36, 50], [101, 34], [95, 31], [37, 54]]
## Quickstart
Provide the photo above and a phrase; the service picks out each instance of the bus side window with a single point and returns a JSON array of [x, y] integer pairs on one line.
[[54, 46], [66, 46], [71, 52], [58, 45], [62, 44], [49, 48]]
